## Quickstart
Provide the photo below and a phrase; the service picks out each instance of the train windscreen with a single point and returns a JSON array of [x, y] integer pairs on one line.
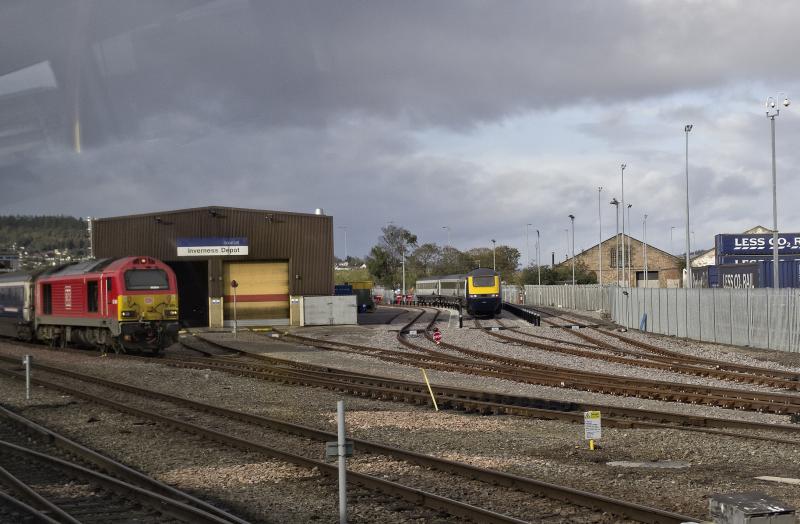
[[483, 281], [146, 279]]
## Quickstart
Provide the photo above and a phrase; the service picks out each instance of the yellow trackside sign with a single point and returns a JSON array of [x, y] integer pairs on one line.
[[592, 428]]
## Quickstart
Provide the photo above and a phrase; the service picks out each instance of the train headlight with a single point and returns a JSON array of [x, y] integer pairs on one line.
[[171, 313], [494, 295], [128, 314], [473, 296]]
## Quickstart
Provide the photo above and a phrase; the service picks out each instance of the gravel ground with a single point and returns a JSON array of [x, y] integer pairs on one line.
[[256, 487], [501, 500], [547, 450], [483, 341], [384, 337], [727, 353]]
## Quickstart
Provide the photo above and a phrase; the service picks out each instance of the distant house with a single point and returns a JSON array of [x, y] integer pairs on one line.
[[344, 266], [663, 269], [9, 262]]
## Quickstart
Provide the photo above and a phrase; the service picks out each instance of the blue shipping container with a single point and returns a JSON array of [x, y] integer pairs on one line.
[[736, 276], [756, 244], [343, 289], [742, 276], [787, 273]]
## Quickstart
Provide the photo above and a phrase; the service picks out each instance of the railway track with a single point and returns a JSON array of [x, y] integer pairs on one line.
[[491, 365], [290, 372], [542, 374], [614, 353], [737, 372], [40, 472], [502, 488]]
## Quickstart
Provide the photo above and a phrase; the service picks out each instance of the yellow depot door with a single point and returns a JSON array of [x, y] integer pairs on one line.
[[262, 297]]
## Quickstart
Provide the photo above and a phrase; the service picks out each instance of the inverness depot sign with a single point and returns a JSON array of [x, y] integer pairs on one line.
[[750, 248], [211, 247]]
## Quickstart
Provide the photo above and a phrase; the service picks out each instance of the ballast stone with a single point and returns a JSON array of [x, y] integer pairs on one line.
[[749, 508]]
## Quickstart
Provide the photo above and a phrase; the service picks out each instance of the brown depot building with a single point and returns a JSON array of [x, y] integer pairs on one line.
[[664, 270], [272, 255]]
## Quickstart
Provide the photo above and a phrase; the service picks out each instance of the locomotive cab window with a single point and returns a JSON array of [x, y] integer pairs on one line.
[[91, 296], [146, 279], [483, 281]]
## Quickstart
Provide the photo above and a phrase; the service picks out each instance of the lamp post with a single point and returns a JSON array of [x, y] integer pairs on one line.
[[671, 249], [600, 242], [687, 129], [494, 258], [404, 272], [622, 177], [646, 274], [630, 253], [538, 266], [614, 202], [772, 112], [572, 221], [527, 244], [345, 242]]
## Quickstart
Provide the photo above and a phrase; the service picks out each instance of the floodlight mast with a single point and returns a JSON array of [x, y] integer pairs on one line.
[[772, 112]]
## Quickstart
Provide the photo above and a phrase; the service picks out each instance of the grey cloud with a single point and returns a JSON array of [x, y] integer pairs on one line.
[[298, 104]]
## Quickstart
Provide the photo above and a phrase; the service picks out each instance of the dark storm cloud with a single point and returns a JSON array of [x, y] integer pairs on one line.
[[433, 63], [296, 105]]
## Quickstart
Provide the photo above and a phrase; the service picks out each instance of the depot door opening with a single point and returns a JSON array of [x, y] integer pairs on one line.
[[192, 292]]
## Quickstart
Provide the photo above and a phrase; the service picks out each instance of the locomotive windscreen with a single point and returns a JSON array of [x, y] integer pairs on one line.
[[139, 279], [483, 281]]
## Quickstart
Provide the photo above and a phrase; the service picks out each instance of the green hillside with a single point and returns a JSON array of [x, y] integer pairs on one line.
[[43, 234]]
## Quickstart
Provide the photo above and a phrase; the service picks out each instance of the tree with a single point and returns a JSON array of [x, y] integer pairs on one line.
[[351, 275], [560, 274], [380, 266], [387, 257], [504, 258], [426, 259], [507, 261]]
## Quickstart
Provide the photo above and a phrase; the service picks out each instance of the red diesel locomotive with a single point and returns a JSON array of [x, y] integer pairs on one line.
[[117, 304]]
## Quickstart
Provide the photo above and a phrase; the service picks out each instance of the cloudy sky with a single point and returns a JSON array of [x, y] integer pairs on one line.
[[479, 116]]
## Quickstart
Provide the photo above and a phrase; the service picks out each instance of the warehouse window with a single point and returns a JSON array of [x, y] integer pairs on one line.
[[614, 257], [91, 296]]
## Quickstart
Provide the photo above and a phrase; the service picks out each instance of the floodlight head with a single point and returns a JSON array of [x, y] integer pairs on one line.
[[786, 102], [614, 202], [572, 217], [623, 166], [688, 127]]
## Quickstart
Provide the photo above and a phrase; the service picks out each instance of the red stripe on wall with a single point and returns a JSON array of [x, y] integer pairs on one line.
[[257, 298]]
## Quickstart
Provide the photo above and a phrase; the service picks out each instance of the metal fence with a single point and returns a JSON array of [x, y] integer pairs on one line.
[[763, 318], [586, 297]]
